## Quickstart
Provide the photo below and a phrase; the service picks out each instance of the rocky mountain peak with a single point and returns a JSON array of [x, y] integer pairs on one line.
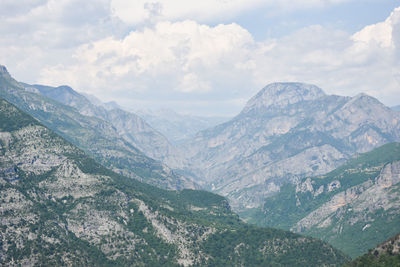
[[282, 94], [362, 97], [364, 102], [66, 89], [3, 70]]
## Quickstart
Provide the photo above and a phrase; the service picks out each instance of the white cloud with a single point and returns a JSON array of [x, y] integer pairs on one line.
[[57, 23], [382, 33], [139, 11], [186, 64], [366, 61], [39, 34], [192, 83], [184, 56], [145, 11], [226, 62], [13, 8]]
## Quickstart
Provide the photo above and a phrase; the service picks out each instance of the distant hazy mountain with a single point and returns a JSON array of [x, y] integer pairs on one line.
[[353, 207], [177, 127], [108, 105], [285, 132], [397, 108], [61, 208], [131, 127], [85, 129]]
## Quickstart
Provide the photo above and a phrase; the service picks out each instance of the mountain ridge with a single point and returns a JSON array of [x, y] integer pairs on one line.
[[286, 135], [178, 127], [97, 137], [60, 207], [282, 94], [129, 125], [353, 207], [251, 156], [386, 254]]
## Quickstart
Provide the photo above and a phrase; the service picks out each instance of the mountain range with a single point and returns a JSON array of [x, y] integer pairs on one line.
[[130, 126], [291, 159], [60, 207], [86, 129], [177, 127], [286, 132]]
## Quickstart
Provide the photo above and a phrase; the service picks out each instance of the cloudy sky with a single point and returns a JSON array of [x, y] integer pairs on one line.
[[202, 57]]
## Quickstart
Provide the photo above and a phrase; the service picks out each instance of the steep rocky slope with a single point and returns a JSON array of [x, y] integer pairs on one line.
[[131, 127], [59, 207], [286, 132], [98, 137], [353, 207]]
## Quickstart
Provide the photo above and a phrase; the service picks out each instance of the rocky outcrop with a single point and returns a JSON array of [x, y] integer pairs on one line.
[[353, 207], [278, 96], [367, 197], [3, 70]]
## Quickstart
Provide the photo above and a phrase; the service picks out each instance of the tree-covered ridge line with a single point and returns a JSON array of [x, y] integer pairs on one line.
[[386, 254]]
